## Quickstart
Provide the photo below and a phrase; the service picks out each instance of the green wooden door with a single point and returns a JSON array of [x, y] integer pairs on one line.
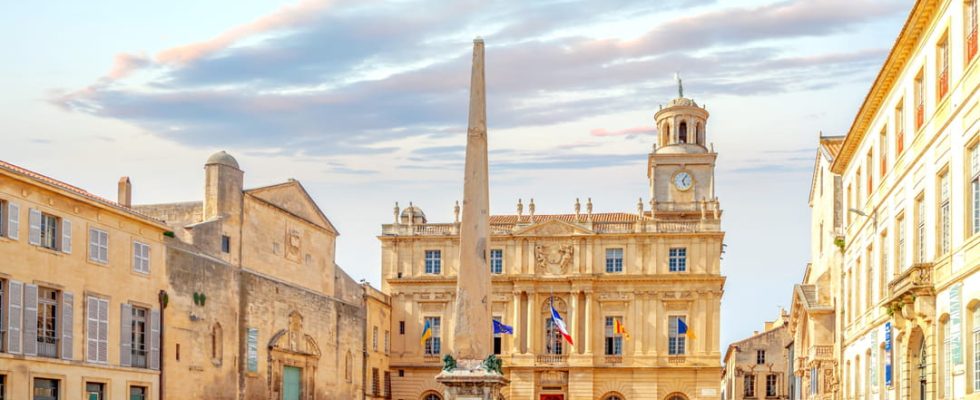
[[290, 383]]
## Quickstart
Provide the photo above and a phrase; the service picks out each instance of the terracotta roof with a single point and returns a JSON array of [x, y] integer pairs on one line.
[[832, 144], [44, 179], [596, 218]]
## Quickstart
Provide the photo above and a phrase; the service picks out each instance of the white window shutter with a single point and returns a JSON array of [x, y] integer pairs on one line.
[[34, 223], [67, 325], [30, 320], [155, 339], [15, 313], [103, 335], [66, 236], [92, 329], [126, 335], [13, 220]]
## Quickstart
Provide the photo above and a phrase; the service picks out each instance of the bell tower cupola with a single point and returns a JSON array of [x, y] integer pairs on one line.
[[681, 123]]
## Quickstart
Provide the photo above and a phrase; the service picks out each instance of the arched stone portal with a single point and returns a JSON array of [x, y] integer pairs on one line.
[[290, 350]]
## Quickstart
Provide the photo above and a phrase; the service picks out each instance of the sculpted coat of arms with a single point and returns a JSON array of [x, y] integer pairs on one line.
[[553, 259]]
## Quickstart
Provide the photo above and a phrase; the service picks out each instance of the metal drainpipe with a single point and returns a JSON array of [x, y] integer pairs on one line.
[[162, 298]]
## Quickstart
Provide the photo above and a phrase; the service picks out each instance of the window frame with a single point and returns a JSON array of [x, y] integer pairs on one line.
[[944, 231], [942, 67], [141, 261], [96, 247], [676, 341], [50, 226], [614, 259], [49, 312], [433, 262], [748, 386], [496, 261], [772, 382], [760, 357], [433, 345], [137, 332], [613, 343], [677, 259]]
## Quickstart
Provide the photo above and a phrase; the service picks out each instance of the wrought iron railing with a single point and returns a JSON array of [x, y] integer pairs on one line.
[[47, 346], [139, 358], [550, 359]]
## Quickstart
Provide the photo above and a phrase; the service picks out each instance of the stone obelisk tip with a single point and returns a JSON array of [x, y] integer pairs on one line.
[[478, 39]]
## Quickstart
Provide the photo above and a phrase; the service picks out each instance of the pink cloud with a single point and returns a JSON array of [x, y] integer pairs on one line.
[[636, 130], [126, 63], [283, 17]]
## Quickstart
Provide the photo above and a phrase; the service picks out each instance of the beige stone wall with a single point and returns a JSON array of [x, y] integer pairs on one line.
[[742, 361], [377, 346], [74, 273]]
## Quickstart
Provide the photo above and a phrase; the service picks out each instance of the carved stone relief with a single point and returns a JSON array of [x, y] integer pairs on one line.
[[553, 258]]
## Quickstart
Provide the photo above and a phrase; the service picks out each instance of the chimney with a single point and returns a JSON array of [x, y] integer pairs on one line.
[[125, 192]]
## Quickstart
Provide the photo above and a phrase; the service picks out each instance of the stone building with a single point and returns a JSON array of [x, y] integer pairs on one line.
[[655, 270], [80, 278], [814, 323], [377, 343], [258, 309], [757, 367], [909, 167]]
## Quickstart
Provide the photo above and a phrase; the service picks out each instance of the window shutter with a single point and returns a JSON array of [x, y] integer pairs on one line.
[[126, 335], [155, 339], [13, 220], [136, 257], [15, 312], [30, 320], [103, 337], [65, 236], [34, 222], [92, 329], [67, 325]]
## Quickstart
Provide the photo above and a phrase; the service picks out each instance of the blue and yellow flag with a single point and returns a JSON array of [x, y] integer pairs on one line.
[[620, 329], [683, 330], [426, 333]]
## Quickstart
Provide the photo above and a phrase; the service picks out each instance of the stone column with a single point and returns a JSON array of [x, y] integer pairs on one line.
[[529, 331], [515, 341], [588, 322], [576, 317]]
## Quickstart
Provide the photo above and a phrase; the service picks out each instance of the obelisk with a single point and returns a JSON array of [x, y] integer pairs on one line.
[[472, 371]]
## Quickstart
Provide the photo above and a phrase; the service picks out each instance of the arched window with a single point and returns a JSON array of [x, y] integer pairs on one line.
[[676, 396], [431, 396], [613, 396], [682, 132], [216, 343]]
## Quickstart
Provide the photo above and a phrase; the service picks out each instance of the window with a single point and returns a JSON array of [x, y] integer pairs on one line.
[[47, 322], [46, 389], [614, 260], [947, 361], [94, 391], [883, 277], [814, 377], [217, 343], [139, 336], [375, 382], [920, 229], [942, 67], [3, 387], [675, 339], [497, 339], [944, 228], [975, 188], [387, 384], [899, 127], [496, 261], [433, 345], [387, 342], [970, 14], [869, 278], [433, 261], [432, 396], [850, 199], [97, 331], [137, 393], [3, 319], [677, 259], [883, 152], [900, 257], [553, 341], [820, 234], [760, 356], [918, 91], [98, 245], [225, 244], [44, 229], [749, 385], [857, 185], [614, 342], [976, 349], [771, 385], [401, 327], [374, 338], [869, 166], [141, 257]]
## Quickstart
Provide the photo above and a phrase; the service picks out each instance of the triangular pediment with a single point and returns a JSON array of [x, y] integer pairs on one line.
[[292, 197], [554, 228]]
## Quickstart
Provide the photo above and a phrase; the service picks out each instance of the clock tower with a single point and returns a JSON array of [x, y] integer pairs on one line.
[[681, 167]]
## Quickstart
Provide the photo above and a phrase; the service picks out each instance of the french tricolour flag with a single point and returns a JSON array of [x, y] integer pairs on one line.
[[560, 323]]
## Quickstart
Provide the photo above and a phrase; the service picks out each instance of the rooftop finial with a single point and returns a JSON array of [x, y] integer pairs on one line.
[[680, 84]]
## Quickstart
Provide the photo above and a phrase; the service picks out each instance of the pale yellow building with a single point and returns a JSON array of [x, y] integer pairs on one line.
[[655, 270], [909, 167], [757, 367], [377, 343], [80, 284]]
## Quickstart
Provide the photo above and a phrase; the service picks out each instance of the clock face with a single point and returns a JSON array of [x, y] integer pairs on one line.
[[683, 181]]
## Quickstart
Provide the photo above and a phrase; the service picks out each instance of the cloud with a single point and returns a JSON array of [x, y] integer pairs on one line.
[[323, 79]]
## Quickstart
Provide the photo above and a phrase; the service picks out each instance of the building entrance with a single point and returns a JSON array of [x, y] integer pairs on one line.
[[290, 383]]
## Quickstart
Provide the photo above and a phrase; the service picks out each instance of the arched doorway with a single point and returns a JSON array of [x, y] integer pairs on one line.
[[552, 341], [430, 395], [676, 396], [918, 361], [613, 396]]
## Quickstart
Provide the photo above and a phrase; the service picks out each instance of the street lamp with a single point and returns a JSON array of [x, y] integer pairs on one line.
[[874, 216]]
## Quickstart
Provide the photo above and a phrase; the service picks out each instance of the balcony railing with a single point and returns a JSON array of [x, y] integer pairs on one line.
[[139, 358], [614, 359], [709, 224], [47, 347], [431, 357], [550, 359], [680, 359], [821, 352], [917, 280]]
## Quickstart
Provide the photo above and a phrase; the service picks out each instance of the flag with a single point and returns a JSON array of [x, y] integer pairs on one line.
[[560, 323], [426, 333], [499, 327], [683, 330], [620, 329]]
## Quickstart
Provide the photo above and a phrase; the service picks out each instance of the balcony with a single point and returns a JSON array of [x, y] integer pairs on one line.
[[614, 359], [550, 359], [821, 352], [431, 358], [139, 358], [47, 347], [915, 281]]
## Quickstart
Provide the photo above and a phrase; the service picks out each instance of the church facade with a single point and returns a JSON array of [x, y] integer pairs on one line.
[[655, 272]]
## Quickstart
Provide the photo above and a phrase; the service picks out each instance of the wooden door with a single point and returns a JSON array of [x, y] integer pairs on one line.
[[290, 383]]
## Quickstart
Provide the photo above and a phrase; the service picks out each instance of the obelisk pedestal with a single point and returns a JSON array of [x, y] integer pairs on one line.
[[472, 372]]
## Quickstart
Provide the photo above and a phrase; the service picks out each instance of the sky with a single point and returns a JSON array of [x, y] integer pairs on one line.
[[364, 102]]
